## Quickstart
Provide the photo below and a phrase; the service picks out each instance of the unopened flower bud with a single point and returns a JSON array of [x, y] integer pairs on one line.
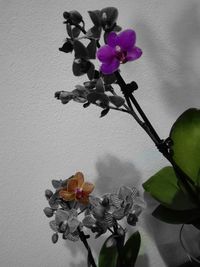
[[48, 212], [132, 219], [48, 194], [105, 202], [75, 16], [54, 238]]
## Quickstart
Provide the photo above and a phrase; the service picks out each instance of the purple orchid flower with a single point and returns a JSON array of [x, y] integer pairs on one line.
[[118, 50]]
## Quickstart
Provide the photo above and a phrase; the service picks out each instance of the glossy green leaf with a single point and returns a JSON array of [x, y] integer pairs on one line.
[[163, 187], [185, 134], [108, 254], [131, 249], [175, 216]]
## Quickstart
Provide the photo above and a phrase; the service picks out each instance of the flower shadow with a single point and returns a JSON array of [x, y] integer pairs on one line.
[[111, 174], [179, 91], [179, 62]]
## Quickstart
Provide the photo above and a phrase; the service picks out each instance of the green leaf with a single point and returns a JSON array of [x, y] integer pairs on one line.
[[163, 187], [185, 134], [175, 216], [131, 249], [108, 254], [198, 179], [80, 50], [118, 101]]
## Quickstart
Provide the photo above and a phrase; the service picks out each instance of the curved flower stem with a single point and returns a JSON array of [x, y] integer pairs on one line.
[[160, 144], [83, 238]]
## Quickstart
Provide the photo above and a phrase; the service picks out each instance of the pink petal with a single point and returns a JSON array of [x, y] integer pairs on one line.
[[126, 40], [111, 39], [109, 68], [134, 54], [105, 54]]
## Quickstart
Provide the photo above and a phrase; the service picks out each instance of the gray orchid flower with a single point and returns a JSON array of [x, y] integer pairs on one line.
[[66, 222]]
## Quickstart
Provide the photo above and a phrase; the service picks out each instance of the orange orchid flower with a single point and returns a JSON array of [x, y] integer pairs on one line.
[[77, 189]]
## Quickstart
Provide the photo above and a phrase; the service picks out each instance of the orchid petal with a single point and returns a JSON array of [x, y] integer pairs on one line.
[[111, 39], [66, 195], [87, 187], [106, 54], [134, 54], [80, 178], [126, 40], [109, 68], [72, 185], [84, 200], [61, 216], [73, 223]]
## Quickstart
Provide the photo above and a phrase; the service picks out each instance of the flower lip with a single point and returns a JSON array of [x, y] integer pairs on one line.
[[77, 189]]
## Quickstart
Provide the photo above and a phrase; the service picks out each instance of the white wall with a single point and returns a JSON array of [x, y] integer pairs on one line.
[[43, 140]]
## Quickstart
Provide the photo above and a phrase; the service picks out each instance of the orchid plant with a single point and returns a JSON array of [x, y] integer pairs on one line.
[[75, 210], [175, 187]]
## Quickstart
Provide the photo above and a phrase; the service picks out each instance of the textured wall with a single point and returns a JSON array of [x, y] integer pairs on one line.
[[43, 140]]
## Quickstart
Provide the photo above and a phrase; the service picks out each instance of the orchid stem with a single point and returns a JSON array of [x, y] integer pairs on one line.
[[160, 144], [84, 240]]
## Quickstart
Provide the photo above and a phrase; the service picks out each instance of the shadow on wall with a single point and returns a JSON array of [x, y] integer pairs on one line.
[[181, 88], [180, 91], [111, 174]]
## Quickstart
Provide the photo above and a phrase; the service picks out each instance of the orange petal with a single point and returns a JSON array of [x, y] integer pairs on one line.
[[80, 178], [87, 187], [72, 185], [84, 200], [66, 195]]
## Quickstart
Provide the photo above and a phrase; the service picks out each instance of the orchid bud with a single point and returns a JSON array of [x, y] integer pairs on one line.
[[48, 212]]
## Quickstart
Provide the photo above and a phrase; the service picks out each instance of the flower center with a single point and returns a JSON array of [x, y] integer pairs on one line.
[[120, 55], [79, 193]]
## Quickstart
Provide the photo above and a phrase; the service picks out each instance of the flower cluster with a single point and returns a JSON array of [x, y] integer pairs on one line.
[[118, 49], [72, 197]]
